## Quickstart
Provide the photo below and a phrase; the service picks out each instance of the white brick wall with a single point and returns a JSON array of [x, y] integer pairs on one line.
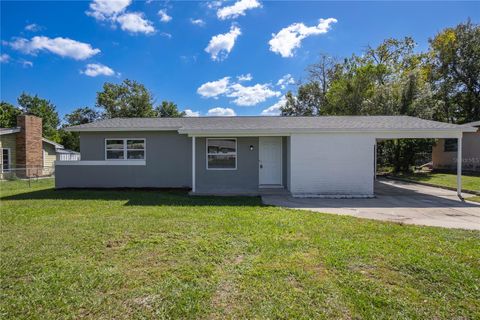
[[332, 164]]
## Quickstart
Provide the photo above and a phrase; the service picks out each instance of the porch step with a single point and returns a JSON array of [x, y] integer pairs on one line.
[[259, 192]]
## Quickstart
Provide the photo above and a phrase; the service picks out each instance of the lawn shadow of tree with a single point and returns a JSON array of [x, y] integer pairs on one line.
[[136, 197]]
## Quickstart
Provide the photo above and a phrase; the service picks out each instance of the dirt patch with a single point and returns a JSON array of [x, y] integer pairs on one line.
[[223, 299], [146, 301]]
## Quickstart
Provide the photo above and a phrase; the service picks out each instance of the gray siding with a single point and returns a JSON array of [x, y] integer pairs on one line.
[[168, 163], [244, 179]]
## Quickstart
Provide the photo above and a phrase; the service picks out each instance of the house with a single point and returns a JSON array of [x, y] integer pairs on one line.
[[444, 153], [25, 153], [305, 156]]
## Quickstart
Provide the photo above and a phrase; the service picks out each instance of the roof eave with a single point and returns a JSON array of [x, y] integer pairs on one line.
[[110, 129], [4, 131], [252, 132]]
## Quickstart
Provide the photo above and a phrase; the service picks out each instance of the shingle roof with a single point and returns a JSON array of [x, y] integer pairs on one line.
[[473, 124], [269, 124]]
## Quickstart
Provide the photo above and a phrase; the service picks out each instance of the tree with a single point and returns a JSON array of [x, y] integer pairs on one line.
[[126, 100], [305, 103], [71, 140], [168, 109], [44, 109], [455, 66], [8, 115], [82, 116]]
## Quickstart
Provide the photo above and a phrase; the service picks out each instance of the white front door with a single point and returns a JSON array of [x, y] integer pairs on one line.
[[270, 161]]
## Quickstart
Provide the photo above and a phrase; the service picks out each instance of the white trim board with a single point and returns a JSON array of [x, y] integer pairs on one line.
[[101, 163]]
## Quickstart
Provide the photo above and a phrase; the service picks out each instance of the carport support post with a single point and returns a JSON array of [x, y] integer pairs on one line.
[[193, 163], [459, 167]]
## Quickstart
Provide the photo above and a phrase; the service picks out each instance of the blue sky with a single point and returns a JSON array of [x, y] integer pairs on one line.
[[208, 57]]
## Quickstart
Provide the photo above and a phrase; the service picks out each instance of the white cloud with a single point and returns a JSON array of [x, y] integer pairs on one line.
[[26, 63], [284, 81], [245, 77], [107, 9], [220, 45], [164, 17], [191, 113], [115, 12], [214, 88], [214, 4], [252, 95], [289, 38], [33, 27], [242, 95], [4, 58], [274, 110], [166, 35], [136, 23], [237, 9], [221, 112], [63, 47], [197, 22], [96, 69]]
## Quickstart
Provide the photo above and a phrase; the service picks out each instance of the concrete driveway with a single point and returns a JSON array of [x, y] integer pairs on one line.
[[395, 201]]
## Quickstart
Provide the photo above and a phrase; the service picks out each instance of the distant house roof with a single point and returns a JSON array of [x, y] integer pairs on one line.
[[57, 145], [197, 125], [9, 130], [66, 151]]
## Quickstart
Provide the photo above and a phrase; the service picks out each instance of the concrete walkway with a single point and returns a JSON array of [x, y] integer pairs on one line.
[[396, 201]]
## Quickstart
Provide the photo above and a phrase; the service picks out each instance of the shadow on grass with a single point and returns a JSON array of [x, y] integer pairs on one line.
[[157, 197]]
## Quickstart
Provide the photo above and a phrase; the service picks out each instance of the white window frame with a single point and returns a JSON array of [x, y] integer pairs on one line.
[[223, 154], [9, 160], [125, 149]]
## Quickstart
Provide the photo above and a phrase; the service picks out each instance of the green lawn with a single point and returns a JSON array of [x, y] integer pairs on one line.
[[444, 180], [476, 199], [148, 254]]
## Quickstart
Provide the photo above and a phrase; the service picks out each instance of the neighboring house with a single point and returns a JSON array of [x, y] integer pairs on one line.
[[25, 153], [306, 156], [444, 153]]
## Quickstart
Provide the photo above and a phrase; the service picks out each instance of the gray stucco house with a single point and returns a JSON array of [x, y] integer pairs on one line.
[[304, 156]]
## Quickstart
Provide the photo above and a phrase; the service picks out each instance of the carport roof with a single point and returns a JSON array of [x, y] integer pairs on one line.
[[197, 125]]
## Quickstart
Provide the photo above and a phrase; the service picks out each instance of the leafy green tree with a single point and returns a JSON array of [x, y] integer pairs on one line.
[[168, 109], [126, 100], [71, 140], [305, 103], [44, 109], [455, 66], [8, 115], [82, 116]]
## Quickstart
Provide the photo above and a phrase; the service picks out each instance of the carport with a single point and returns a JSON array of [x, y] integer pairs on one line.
[[429, 134]]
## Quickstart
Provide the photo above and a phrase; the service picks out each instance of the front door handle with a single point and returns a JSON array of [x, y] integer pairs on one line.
[[261, 166]]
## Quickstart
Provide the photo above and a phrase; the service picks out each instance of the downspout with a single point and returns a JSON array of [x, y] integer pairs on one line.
[[459, 166]]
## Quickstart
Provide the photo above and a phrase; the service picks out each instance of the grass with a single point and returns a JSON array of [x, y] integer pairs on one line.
[[476, 199], [79, 254], [471, 183]]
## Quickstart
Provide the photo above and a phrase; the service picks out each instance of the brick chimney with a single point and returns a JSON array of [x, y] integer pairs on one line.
[[29, 146]]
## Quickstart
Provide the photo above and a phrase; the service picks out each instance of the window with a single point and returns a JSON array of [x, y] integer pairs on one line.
[[221, 154], [125, 149], [450, 145], [5, 159]]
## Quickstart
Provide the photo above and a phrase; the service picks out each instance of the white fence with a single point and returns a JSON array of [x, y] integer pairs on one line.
[[68, 156]]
